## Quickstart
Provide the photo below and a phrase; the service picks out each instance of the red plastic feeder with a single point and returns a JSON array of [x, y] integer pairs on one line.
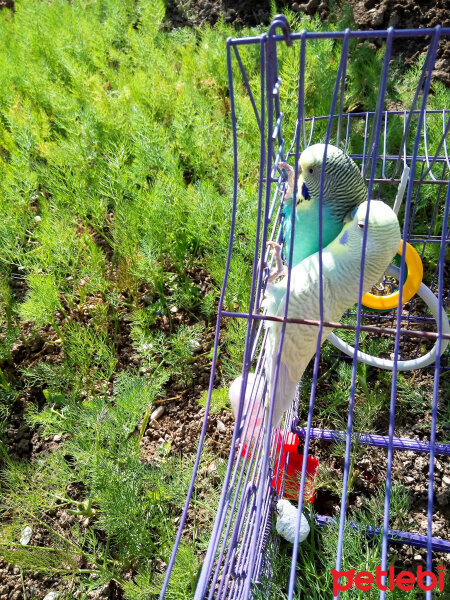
[[294, 469]]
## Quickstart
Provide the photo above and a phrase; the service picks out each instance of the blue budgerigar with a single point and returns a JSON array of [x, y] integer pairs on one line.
[[341, 268], [344, 189]]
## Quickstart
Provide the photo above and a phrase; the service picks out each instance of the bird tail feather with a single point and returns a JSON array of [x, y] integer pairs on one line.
[[284, 395]]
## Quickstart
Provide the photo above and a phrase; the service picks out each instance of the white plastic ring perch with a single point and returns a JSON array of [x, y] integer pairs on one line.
[[402, 365]]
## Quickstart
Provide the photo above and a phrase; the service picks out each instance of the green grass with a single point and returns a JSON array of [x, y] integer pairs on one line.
[[116, 178]]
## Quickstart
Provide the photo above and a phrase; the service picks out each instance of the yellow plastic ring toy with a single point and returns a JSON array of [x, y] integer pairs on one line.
[[410, 287]]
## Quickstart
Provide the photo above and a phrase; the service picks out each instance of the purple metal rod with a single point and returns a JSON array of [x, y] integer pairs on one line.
[[435, 399], [430, 111], [340, 74], [373, 149], [252, 467], [380, 441], [271, 80], [247, 85], [394, 535], [335, 325], [427, 68], [214, 360], [410, 319], [221, 513], [339, 35], [415, 181]]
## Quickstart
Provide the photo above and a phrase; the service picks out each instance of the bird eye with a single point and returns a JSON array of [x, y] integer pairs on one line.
[[361, 225], [311, 170]]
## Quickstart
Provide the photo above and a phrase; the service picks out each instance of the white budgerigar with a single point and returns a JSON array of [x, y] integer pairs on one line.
[[341, 261], [287, 522]]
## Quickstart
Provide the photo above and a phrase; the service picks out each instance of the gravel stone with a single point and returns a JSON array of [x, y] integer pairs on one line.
[[221, 427]]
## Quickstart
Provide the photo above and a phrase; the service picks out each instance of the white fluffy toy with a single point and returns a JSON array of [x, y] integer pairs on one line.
[[287, 521]]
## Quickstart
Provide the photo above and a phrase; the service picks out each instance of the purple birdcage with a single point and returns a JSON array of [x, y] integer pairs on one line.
[[416, 168]]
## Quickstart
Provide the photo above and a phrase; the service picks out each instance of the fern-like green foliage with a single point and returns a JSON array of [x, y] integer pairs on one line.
[[132, 502], [88, 356], [174, 354], [182, 585], [129, 503], [219, 400], [42, 300]]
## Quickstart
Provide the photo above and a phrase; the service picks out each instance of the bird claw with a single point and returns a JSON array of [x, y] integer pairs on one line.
[[290, 182], [279, 268]]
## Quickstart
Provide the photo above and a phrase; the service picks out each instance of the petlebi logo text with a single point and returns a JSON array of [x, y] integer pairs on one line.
[[387, 579]]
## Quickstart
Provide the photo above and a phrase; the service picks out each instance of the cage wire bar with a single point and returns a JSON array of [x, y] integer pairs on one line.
[[237, 559]]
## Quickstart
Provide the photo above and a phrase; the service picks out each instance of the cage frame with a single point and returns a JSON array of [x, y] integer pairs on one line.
[[212, 581]]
